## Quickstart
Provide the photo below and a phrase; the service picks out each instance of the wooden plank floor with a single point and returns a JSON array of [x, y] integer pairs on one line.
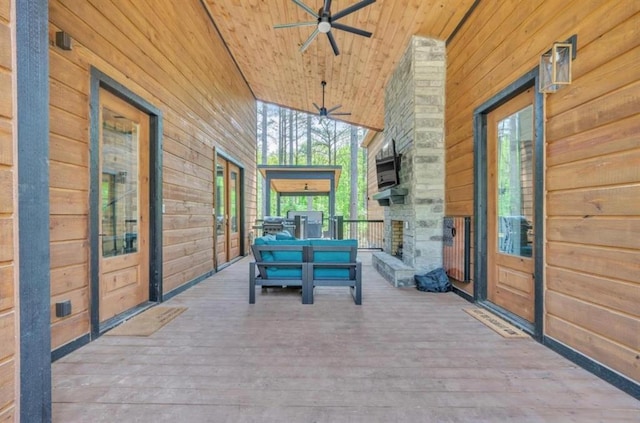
[[403, 356]]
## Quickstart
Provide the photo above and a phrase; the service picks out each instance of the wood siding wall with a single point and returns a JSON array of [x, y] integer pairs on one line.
[[8, 219], [170, 54], [592, 271]]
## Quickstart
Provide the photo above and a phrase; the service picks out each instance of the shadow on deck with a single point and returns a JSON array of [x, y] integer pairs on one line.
[[403, 356]]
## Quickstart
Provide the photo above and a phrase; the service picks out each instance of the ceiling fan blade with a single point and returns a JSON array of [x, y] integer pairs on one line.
[[295, 24], [316, 106], [307, 8], [351, 9], [327, 6], [334, 108], [334, 46], [340, 114], [313, 35], [351, 29]]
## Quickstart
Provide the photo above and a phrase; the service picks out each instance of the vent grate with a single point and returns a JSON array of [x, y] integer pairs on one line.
[[457, 247]]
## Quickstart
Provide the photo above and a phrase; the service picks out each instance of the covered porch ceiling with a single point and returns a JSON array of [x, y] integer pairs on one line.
[[301, 180], [277, 72]]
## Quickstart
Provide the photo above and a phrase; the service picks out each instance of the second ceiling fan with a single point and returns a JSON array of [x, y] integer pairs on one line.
[[323, 111], [325, 21]]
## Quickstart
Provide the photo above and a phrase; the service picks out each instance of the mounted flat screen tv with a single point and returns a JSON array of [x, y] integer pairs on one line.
[[387, 166]]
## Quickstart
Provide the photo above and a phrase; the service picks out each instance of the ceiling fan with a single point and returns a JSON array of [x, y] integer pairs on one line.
[[323, 111], [325, 21]]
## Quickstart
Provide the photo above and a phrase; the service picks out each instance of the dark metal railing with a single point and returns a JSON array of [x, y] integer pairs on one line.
[[369, 233]]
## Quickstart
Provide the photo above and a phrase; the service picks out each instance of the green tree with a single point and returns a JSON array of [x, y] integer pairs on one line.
[[293, 137]]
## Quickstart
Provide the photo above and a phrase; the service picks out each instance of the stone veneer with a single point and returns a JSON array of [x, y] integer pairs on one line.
[[414, 117]]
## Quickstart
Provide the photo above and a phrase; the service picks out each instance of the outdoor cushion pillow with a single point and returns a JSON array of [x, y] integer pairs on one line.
[[284, 272], [295, 256], [330, 273], [262, 240], [333, 256], [284, 235]]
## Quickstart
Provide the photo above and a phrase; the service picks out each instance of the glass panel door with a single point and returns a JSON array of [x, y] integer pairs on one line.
[[510, 206], [120, 200], [234, 211], [515, 183], [221, 212], [233, 201], [124, 207]]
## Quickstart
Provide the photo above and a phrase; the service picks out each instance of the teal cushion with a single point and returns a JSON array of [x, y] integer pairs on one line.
[[333, 256], [284, 235], [330, 273], [263, 240], [275, 272], [284, 273], [295, 256], [338, 242]]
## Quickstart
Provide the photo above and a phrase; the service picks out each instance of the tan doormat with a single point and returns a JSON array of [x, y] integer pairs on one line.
[[505, 329], [147, 322]]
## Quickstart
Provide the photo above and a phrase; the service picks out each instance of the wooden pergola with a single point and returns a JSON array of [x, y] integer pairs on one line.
[[300, 181]]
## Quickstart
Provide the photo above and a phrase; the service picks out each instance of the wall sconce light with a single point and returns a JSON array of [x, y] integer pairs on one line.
[[555, 65], [63, 40]]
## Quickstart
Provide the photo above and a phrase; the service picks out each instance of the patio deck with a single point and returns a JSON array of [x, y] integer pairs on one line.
[[403, 356]]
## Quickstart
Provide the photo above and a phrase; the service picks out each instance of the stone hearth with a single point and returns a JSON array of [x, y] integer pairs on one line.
[[394, 270]]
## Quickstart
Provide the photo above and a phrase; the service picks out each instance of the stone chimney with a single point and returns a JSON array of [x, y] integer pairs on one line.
[[414, 118]]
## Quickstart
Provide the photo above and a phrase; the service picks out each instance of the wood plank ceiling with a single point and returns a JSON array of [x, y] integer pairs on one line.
[[279, 73]]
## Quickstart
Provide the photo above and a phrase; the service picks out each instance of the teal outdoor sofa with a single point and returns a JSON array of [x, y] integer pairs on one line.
[[306, 263]]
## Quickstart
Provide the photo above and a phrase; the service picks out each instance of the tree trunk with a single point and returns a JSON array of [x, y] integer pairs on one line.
[[290, 136], [335, 142], [363, 175], [263, 159], [281, 137], [309, 158], [353, 200], [297, 151]]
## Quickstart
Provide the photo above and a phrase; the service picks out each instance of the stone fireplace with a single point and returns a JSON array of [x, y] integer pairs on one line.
[[414, 119]]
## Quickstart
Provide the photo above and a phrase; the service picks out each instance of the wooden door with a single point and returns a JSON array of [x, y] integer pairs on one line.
[[228, 211], [124, 207], [221, 219], [510, 206], [233, 201]]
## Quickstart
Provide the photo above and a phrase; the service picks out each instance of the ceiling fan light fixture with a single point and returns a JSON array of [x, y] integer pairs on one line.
[[324, 20], [324, 26]]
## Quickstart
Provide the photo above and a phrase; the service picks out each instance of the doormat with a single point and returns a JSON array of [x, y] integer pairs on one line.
[[505, 329], [147, 322]]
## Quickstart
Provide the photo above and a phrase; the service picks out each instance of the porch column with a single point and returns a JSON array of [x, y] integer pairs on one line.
[[32, 87]]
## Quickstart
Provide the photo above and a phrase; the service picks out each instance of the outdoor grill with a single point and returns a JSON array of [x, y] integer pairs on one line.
[[272, 224], [275, 224]]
